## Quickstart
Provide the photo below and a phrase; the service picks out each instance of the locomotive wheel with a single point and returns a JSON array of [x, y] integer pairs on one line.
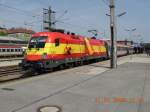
[[86, 62], [40, 72], [76, 64], [81, 63], [49, 70], [61, 67], [70, 65], [29, 72]]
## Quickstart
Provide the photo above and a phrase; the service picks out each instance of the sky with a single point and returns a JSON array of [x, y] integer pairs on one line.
[[81, 16]]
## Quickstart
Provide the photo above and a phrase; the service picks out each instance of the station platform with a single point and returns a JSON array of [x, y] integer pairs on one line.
[[90, 88], [9, 62]]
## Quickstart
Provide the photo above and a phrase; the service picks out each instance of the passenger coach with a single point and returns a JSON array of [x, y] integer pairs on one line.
[[11, 47]]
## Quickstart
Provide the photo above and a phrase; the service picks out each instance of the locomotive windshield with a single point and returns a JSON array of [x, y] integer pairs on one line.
[[37, 42]]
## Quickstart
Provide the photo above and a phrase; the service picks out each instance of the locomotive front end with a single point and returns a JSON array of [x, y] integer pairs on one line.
[[36, 53]]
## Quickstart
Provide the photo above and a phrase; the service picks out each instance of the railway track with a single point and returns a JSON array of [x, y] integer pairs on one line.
[[9, 73]]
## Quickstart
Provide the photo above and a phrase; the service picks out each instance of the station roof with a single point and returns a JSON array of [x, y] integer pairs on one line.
[[20, 30]]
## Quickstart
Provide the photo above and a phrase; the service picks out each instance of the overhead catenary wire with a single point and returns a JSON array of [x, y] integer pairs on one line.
[[11, 20], [105, 2], [25, 12], [20, 10], [62, 15], [80, 27]]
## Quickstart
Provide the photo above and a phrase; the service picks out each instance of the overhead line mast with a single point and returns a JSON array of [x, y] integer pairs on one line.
[[113, 32], [48, 19]]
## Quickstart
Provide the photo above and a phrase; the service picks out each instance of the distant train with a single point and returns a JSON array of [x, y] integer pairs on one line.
[[122, 49], [48, 50], [10, 51], [11, 47]]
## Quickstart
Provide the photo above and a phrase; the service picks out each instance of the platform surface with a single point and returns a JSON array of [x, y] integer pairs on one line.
[[9, 62], [90, 88]]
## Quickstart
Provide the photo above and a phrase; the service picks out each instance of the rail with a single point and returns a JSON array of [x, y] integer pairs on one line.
[[9, 73]]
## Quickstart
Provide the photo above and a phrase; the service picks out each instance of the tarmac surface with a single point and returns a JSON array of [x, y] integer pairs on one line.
[[90, 88]]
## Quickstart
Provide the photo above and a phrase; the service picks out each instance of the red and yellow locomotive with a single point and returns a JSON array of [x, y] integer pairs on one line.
[[53, 49]]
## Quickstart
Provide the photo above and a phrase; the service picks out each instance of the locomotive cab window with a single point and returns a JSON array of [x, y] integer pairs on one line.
[[57, 42], [37, 42]]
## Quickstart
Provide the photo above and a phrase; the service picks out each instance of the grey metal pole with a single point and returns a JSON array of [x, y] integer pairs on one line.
[[49, 18], [113, 62]]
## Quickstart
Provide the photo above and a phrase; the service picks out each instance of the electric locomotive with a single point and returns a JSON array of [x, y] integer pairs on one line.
[[48, 50]]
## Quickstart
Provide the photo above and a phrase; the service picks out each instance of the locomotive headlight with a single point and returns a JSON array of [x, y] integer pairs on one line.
[[44, 55]]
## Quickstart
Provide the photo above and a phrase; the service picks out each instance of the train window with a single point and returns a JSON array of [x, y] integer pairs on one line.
[[5, 41], [12, 50], [57, 41], [0, 50], [8, 50], [3, 50]]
